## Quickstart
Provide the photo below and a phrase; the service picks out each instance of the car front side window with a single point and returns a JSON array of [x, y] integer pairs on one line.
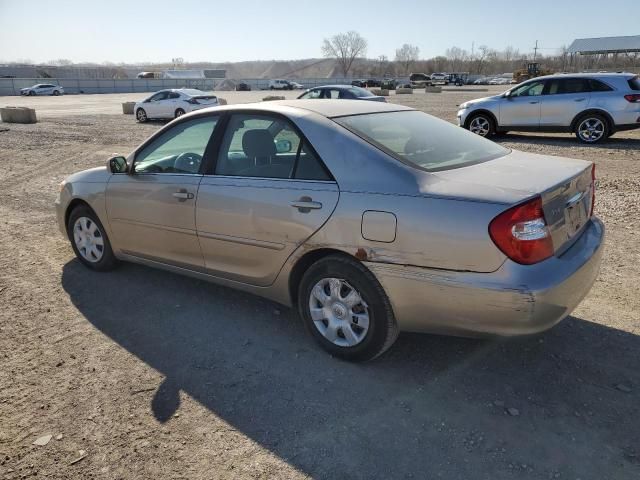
[[532, 89], [178, 150]]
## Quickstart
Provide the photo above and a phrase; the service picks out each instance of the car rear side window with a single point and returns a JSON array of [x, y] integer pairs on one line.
[[598, 86], [421, 140], [574, 85], [634, 83]]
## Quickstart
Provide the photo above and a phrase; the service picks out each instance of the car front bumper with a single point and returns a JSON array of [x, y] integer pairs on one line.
[[514, 300]]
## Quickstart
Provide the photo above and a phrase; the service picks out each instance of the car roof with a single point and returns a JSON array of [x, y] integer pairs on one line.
[[588, 75], [325, 107]]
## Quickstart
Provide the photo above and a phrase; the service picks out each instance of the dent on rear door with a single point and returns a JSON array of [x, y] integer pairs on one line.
[[248, 227]]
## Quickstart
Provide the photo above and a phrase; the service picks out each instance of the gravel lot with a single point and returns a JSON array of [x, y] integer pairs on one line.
[[142, 374]]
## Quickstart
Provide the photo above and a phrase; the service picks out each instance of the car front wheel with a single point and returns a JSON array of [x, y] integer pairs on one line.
[[346, 310], [592, 128], [179, 113], [141, 115], [481, 124], [89, 240], [31, 93], [56, 92]]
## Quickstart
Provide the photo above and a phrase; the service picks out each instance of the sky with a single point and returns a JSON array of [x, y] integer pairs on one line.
[[236, 30]]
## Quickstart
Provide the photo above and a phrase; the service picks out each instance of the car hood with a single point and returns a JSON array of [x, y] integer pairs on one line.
[[509, 179], [492, 98], [92, 175]]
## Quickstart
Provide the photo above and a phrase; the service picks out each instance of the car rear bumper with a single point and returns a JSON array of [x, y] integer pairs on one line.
[[513, 300]]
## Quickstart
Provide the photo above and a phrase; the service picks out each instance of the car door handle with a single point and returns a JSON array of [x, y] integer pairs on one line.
[[579, 99], [183, 195], [306, 204]]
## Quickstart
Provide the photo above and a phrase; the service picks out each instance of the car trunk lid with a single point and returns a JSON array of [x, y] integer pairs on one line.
[[206, 99]]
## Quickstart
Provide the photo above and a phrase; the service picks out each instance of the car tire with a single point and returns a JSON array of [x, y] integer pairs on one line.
[[481, 124], [331, 312], [179, 112], [56, 93], [592, 128], [32, 93], [141, 115], [89, 240]]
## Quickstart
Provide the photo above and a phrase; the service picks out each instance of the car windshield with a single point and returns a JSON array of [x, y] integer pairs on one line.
[[634, 83], [422, 140], [360, 92]]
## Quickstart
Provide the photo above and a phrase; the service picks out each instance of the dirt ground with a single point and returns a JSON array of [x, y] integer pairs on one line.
[[142, 374]]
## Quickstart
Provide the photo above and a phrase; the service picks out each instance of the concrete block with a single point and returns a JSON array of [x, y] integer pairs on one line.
[[382, 93], [401, 91], [433, 89], [127, 108], [18, 115], [222, 101], [272, 97]]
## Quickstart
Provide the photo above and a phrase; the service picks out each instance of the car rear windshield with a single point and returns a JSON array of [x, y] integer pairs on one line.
[[422, 140], [634, 83], [360, 92]]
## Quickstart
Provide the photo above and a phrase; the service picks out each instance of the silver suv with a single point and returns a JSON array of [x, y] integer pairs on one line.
[[593, 106]]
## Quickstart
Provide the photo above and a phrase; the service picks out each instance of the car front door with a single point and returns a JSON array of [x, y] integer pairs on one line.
[[155, 106], [151, 210], [563, 99], [522, 107], [267, 193]]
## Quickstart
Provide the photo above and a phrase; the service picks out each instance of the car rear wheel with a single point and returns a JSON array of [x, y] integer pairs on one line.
[[346, 310], [179, 112], [481, 124], [141, 115], [89, 240], [592, 128]]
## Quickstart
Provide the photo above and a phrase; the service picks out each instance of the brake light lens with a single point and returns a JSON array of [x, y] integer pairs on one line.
[[522, 234], [633, 98], [193, 101], [593, 189]]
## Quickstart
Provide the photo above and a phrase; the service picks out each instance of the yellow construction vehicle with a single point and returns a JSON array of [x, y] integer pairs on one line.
[[532, 70]]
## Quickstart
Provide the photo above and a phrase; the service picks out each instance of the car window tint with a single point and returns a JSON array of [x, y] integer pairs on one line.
[[332, 93], [417, 138], [360, 92], [574, 85], [174, 95], [634, 83], [598, 86], [267, 147], [178, 150], [312, 94], [528, 90]]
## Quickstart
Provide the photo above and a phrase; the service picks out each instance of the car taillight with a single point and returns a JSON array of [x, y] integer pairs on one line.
[[193, 101], [593, 189], [521, 233], [633, 98]]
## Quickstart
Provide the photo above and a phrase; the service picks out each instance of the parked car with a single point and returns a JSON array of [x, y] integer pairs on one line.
[[279, 84], [173, 103], [243, 87], [297, 86], [43, 89], [370, 218], [439, 78], [373, 83], [359, 83], [419, 80], [341, 92], [388, 84], [593, 106]]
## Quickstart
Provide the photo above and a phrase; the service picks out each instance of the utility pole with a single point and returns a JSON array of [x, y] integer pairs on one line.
[[535, 51], [473, 44]]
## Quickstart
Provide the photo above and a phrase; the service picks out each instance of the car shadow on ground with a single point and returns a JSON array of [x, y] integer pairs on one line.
[[460, 408], [613, 143]]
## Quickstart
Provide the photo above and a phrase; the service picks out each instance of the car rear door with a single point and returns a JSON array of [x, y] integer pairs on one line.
[[151, 210], [563, 99], [522, 107], [267, 193]]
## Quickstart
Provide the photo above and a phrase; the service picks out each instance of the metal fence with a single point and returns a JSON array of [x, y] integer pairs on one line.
[[12, 86]]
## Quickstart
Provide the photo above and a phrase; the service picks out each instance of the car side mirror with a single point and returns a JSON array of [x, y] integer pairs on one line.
[[117, 164], [283, 146], [507, 95]]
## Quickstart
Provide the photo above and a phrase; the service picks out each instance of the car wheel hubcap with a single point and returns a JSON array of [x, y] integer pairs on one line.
[[179, 113], [591, 130], [479, 126], [141, 115], [88, 239], [339, 312]]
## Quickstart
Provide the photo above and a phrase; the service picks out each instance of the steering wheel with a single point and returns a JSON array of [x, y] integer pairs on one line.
[[188, 162]]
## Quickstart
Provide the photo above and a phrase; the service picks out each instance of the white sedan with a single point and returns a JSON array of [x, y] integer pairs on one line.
[[42, 89], [173, 103]]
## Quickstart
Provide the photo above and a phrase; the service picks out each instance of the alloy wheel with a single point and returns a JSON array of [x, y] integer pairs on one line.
[[480, 126], [591, 130], [88, 239], [339, 312], [141, 115]]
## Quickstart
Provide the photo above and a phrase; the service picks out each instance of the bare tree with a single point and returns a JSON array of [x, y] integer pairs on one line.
[[457, 56], [345, 48], [406, 56]]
